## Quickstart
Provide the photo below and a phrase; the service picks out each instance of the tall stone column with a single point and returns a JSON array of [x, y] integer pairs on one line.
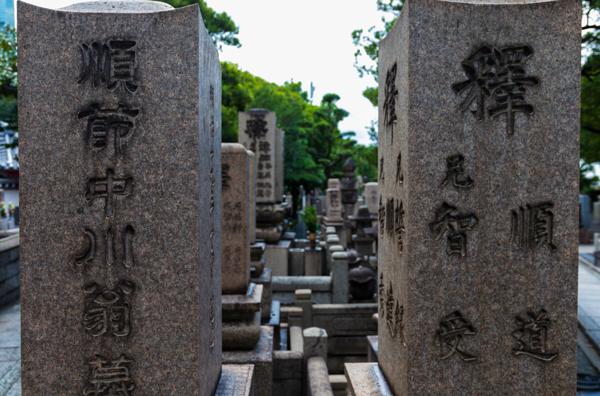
[[121, 195], [478, 138]]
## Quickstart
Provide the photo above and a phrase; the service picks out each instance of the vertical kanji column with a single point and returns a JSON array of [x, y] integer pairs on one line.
[[121, 183], [479, 150]]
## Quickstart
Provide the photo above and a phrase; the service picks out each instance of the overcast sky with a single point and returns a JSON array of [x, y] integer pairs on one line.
[[306, 41]]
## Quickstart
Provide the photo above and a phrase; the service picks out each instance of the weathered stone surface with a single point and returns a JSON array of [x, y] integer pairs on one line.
[[366, 379], [262, 359], [334, 204], [276, 257], [265, 280], [279, 164], [235, 219], [252, 178], [241, 335], [478, 217], [318, 377], [236, 379], [371, 197], [313, 262], [242, 306], [296, 257], [257, 132], [334, 183], [147, 229]]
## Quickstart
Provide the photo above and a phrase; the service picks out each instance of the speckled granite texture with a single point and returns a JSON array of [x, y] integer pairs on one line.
[[235, 221], [524, 184], [156, 235]]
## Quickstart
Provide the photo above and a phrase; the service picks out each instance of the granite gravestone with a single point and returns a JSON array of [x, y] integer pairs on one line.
[[371, 197], [120, 157], [235, 220], [334, 204], [252, 180], [478, 138], [258, 134]]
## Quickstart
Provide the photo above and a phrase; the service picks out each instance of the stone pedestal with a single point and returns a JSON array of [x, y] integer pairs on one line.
[[478, 137], [242, 318], [313, 262], [120, 160], [265, 279], [276, 258], [261, 356], [296, 262]]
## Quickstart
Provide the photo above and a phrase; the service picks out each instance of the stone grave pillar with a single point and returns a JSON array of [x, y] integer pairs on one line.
[[121, 198], [258, 133], [478, 136], [371, 197], [245, 341]]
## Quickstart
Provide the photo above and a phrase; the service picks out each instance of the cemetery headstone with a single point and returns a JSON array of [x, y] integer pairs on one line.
[[371, 197], [235, 220], [478, 145], [121, 227]]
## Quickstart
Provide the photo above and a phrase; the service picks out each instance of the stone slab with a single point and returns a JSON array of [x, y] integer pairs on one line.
[[252, 178], [235, 380], [262, 359], [265, 279], [277, 257], [242, 306], [235, 219], [366, 379], [258, 133], [371, 194], [279, 164], [479, 185], [139, 213]]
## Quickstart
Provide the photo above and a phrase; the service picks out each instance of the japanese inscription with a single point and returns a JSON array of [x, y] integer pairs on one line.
[[390, 95], [532, 226], [391, 311], [453, 224], [455, 173], [110, 64], [106, 310], [451, 334], [101, 121], [531, 336], [497, 83], [109, 377], [108, 188]]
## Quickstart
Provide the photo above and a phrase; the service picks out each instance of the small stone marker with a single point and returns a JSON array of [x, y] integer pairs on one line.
[[478, 145], [258, 133], [371, 197], [235, 220], [121, 196], [334, 204]]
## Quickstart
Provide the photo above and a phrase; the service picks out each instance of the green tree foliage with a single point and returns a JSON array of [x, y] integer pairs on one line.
[[590, 95], [8, 75], [220, 26], [315, 148], [367, 44]]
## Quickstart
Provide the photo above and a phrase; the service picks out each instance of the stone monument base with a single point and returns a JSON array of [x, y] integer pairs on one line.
[[236, 380], [262, 359], [242, 318], [265, 279], [366, 379], [276, 257]]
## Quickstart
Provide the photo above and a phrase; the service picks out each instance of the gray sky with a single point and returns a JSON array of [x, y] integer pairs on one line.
[[307, 41]]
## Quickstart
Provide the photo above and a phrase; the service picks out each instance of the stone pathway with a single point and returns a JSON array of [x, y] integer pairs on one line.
[[10, 351]]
